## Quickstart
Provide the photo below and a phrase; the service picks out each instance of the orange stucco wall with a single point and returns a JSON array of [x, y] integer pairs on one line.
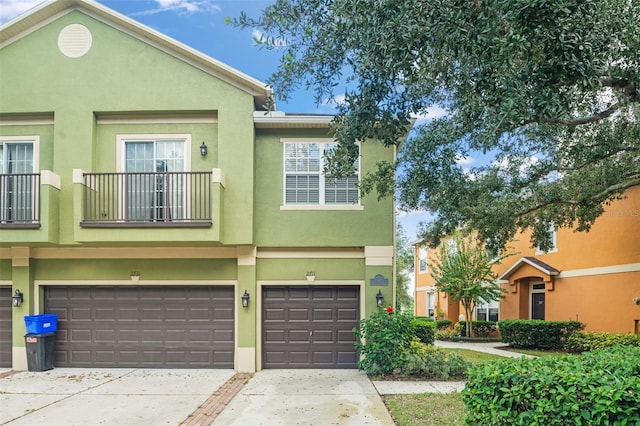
[[599, 273]]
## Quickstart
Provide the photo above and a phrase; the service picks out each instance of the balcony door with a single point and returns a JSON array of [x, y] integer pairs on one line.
[[17, 182], [155, 190]]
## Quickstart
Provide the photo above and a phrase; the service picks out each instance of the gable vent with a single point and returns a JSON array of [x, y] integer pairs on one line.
[[74, 40]]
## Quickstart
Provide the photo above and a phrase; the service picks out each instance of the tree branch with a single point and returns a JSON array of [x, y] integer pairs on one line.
[[610, 190], [578, 121]]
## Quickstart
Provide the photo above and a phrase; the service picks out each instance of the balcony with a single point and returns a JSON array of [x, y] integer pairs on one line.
[[147, 199], [29, 208], [20, 200]]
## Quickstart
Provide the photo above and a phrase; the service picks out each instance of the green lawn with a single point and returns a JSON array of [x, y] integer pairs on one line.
[[427, 409], [432, 409], [537, 352], [473, 356]]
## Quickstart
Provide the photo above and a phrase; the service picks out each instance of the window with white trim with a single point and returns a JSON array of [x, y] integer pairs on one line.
[[431, 304], [422, 258], [553, 230], [488, 311], [305, 182]]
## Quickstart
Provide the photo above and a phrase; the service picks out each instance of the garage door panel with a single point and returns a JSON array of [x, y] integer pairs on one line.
[[309, 326], [177, 327], [6, 329]]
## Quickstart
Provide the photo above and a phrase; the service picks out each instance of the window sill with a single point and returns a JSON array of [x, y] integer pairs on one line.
[[348, 207]]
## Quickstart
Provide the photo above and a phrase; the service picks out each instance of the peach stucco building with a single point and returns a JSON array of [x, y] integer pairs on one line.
[[591, 277]]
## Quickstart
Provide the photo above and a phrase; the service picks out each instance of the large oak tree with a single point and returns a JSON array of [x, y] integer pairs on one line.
[[547, 90]]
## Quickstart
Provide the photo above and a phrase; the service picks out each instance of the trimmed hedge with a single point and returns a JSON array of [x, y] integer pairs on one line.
[[443, 324], [582, 342], [597, 388], [424, 329], [537, 333], [479, 328]]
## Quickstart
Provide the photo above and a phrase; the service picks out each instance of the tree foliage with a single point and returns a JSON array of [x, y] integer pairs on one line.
[[463, 270], [546, 89], [404, 267]]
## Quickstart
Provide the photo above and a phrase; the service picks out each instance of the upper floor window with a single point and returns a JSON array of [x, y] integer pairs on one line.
[[422, 258], [553, 231], [305, 182]]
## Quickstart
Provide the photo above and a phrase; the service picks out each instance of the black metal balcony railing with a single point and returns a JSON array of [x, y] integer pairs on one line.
[[143, 199], [20, 200]]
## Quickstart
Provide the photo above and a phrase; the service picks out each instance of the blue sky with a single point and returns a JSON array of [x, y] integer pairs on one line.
[[200, 24]]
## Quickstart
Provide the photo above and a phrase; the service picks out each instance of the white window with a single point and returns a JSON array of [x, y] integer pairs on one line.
[[305, 182], [553, 230], [431, 304], [488, 311], [18, 182], [422, 258], [154, 188]]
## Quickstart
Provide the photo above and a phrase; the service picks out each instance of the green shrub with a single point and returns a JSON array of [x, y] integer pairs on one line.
[[480, 328], [382, 340], [443, 324], [446, 334], [582, 342], [597, 388], [430, 362], [424, 330], [537, 333]]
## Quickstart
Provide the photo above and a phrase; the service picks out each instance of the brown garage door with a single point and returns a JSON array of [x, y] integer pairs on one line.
[[164, 327], [309, 326], [6, 343]]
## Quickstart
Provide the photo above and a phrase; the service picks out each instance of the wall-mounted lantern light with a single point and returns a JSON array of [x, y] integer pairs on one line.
[[203, 149], [135, 276], [245, 299], [17, 298], [636, 300], [379, 299], [311, 277]]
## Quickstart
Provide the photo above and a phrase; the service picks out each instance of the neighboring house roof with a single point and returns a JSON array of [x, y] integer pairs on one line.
[[53, 9], [536, 263]]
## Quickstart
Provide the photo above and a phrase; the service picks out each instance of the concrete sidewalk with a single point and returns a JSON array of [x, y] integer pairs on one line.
[[486, 347]]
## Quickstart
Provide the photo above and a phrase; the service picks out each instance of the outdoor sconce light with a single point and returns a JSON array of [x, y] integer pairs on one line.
[[17, 298], [379, 299], [636, 300], [311, 277], [135, 276], [245, 299], [203, 149]]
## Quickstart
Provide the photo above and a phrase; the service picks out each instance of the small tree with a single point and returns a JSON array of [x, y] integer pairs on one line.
[[463, 270], [404, 267]]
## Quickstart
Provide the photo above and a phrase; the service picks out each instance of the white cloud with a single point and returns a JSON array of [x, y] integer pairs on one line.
[[182, 7], [258, 36], [465, 160], [433, 112], [9, 9]]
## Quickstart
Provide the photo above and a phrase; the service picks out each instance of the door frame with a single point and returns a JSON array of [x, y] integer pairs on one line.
[[540, 290]]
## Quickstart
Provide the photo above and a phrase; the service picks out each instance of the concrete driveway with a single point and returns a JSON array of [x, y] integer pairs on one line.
[[74, 396], [307, 397], [68, 396]]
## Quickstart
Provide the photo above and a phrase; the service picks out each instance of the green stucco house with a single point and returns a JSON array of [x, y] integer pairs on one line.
[[144, 190]]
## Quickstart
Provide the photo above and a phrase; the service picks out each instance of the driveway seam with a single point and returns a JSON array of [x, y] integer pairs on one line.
[[206, 413]]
